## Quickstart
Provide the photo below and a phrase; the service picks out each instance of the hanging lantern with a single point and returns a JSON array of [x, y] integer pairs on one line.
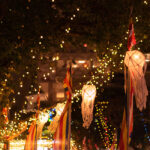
[[135, 61], [88, 97]]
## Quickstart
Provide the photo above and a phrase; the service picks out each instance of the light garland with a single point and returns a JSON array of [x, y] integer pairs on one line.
[[13, 130], [94, 79], [101, 76], [107, 132]]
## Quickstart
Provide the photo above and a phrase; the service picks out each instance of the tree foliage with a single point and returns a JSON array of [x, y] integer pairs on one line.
[[31, 27]]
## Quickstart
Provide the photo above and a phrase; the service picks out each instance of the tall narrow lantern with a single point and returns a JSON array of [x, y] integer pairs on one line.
[[135, 61], [88, 97]]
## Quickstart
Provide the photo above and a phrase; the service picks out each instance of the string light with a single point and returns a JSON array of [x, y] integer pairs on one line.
[[145, 2], [95, 78], [106, 131]]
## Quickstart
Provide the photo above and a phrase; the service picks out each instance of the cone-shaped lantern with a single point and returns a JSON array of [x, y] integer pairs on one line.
[[135, 61], [88, 98]]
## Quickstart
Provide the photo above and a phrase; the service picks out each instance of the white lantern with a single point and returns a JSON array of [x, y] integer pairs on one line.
[[88, 97], [135, 61]]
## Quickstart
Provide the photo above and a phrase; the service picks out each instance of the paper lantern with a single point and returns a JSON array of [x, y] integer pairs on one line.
[[135, 61], [88, 97]]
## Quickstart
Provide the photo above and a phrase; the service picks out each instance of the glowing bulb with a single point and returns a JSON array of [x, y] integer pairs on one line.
[[136, 56]]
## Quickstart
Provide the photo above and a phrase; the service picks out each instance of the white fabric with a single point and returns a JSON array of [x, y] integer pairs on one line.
[[135, 61], [59, 109], [43, 118], [53, 126], [88, 97]]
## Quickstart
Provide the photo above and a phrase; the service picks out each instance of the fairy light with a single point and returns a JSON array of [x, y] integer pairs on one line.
[[100, 70], [67, 30], [13, 129], [145, 2], [105, 130], [41, 37]]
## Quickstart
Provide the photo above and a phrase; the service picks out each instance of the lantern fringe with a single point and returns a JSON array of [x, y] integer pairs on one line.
[[88, 97]]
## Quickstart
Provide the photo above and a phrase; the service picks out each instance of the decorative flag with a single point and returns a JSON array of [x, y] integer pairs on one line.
[[90, 145], [43, 118], [97, 148], [53, 125], [123, 136], [31, 142], [38, 105], [68, 84], [131, 38], [62, 134], [5, 114], [63, 131], [131, 43], [38, 101], [84, 147], [130, 111]]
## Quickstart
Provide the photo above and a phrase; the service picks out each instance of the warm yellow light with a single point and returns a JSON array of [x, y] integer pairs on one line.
[[136, 56], [60, 95], [43, 117], [81, 61]]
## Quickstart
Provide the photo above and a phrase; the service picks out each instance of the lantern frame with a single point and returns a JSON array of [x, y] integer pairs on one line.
[[88, 98]]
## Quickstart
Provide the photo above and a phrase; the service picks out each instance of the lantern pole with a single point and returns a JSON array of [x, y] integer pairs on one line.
[[128, 105], [128, 88]]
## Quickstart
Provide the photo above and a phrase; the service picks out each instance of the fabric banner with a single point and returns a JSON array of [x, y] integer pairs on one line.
[[131, 43], [31, 142], [127, 128], [130, 111], [131, 37], [63, 132], [68, 84], [123, 136]]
